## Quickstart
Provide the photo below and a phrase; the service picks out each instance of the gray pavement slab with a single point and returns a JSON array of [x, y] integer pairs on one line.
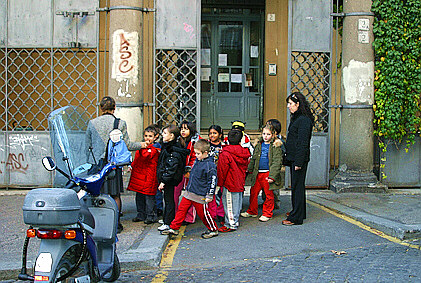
[[396, 213]]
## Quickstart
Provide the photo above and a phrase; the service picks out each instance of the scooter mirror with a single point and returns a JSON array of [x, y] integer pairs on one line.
[[49, 163]]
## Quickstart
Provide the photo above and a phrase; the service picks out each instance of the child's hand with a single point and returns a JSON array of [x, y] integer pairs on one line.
[[270, 180], [129, 168], [161, 186], [208, 200], [187, 175]]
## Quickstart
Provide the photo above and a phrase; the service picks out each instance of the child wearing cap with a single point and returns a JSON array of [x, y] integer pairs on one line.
[[232, 167], [245, 140]]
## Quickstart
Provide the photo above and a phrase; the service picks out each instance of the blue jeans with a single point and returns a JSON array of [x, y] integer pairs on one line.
[[233, 203], [159, 200]]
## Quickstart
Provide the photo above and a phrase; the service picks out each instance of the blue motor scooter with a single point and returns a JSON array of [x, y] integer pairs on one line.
[[77, 225]]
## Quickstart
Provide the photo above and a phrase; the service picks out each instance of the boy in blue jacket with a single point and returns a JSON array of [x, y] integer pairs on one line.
[[199, 192]]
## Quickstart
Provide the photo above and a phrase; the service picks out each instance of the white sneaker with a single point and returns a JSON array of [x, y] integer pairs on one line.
[[246, 214], [160, 221], [163, 227], [169, 232], [264, 218]]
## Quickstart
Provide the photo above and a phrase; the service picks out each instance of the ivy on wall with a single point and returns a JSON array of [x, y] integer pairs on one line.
[[397, 44]]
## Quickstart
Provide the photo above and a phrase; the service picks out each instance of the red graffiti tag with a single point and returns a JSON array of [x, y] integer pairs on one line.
[[125, 55], [15, 163]]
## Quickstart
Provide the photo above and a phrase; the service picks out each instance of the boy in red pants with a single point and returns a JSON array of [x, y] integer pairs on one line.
[[199, 192]]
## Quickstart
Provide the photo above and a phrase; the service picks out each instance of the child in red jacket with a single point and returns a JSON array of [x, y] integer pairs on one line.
[[232, 166], [143, 179]]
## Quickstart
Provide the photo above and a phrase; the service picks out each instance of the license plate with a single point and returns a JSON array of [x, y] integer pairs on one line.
[[44, 262], [83, 279]]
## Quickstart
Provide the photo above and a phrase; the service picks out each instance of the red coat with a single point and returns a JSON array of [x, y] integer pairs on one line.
[[232, 166], [143, 178]]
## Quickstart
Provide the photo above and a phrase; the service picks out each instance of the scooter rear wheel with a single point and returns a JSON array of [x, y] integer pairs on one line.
[[114, 274], [69, 260]]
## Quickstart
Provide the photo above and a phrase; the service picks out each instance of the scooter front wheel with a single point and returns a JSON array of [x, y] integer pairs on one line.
[[114, 274]]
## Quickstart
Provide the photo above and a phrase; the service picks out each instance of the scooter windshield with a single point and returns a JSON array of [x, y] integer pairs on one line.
[[67, 127]]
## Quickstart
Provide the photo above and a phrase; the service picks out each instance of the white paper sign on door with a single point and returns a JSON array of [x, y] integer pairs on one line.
[[222, 59]]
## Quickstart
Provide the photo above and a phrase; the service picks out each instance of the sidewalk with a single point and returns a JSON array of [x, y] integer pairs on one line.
[[396, 213]]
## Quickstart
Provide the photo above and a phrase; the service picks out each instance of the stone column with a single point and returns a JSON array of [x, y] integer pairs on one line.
[[356, 144], [125, 63]]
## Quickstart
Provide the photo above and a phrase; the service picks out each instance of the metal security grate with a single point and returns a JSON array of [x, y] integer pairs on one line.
[[310, 75], [33, 82], [176, 86]]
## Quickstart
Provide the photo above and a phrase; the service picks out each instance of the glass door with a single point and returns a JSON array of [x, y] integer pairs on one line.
[[231, 72]]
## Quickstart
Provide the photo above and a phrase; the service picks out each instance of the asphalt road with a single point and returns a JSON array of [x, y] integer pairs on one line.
[[324, 249]]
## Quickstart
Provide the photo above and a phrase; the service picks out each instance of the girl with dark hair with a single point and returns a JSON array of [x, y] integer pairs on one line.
[[171, 163], [298, 154], [216, 141], [188, 137], [216, 137]]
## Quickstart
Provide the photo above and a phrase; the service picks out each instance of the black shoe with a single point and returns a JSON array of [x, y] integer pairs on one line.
[[119, 228], [147, 221], [137, 219]]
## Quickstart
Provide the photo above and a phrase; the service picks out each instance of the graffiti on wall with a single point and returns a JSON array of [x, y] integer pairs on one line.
[[125, 60], [21, 154]]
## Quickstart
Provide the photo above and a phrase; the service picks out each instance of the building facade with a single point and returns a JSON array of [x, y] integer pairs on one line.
[[164, 61]]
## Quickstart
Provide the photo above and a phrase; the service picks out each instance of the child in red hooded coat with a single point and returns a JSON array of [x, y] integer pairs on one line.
[[143, 179]]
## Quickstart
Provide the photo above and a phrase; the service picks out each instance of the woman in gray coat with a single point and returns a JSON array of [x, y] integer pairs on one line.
[[97, 136]]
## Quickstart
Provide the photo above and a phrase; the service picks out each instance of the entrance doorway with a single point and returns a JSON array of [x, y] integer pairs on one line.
[[231, 67]]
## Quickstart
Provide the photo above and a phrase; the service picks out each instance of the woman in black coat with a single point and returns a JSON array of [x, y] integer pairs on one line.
[[298, 154]]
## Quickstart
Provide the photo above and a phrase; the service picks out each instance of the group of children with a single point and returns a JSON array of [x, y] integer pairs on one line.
[[208, 175]]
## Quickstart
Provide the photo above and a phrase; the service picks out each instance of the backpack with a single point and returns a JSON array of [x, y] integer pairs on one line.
[[116, 150]]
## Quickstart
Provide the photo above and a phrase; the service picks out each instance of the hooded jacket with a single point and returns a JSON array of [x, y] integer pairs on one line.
[[275, 162], [232, 166], [171, 163], [143, 178], [203, 178]]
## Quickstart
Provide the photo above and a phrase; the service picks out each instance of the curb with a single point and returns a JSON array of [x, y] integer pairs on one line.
[[145, 252], [389, 227]]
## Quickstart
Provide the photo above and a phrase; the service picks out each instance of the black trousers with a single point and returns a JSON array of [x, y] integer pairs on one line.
[[298, 194], [145, 206], [169, 204]]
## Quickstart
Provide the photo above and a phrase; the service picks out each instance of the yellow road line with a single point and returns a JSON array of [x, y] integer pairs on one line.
[[168, 256], [365, 227]]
